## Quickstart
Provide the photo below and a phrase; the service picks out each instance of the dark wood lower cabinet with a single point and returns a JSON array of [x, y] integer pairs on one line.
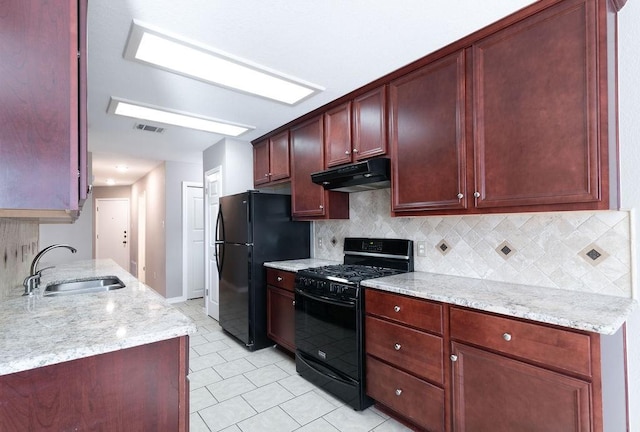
[[281, 317], [419, 401], [494, 393], [142, 388]]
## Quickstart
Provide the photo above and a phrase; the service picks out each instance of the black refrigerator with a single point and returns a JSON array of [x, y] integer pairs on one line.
[[252, 228]]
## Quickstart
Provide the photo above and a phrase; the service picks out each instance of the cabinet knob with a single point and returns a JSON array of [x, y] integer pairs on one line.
[[293, 302], [398, 392], [279, 278], [266, 175], [321, 206], [355, 150], [397, 347], [460, 196], [396, 308], [453, 357], [476, 194], [506, 336], [347, 152]]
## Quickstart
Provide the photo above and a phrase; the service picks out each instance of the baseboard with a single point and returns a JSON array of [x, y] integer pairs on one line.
[[177, 299]]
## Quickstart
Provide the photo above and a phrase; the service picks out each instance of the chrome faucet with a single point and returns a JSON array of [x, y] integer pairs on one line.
[[32, 281]]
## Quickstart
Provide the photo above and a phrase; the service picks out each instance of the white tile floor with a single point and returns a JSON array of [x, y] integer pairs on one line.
[[235, 390]]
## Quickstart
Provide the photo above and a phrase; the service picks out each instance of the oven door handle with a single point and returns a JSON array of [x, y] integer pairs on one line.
[[321, 299]]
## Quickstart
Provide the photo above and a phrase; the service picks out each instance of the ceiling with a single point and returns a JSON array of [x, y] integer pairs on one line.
[[339, 45]]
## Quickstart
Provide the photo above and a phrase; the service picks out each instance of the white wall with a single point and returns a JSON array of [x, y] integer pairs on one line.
[[629, 97], [236, 159], [176, 173], [78, 234]]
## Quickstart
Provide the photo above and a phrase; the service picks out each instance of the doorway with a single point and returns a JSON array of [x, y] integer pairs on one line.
[[192, 240], [213, 191], [112, 230]]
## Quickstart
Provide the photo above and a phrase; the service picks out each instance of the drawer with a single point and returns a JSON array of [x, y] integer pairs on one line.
[[412, 350], [562, 349], [418, 313], [417, 400], [281, 279]]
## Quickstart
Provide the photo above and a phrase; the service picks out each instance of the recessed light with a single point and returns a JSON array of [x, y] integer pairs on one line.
[[173, 117], [190, 59], [110, 182]]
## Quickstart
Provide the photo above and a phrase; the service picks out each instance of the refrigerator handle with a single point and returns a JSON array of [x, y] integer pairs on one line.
[[219, 242]]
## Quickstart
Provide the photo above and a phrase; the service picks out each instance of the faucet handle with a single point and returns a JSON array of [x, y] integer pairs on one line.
[[30, 283]]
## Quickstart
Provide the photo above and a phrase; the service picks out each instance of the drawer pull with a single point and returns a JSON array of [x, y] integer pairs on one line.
[[398, 392], [396, 308], [506, 337], [279, 278], [453, 357], [293, 302], [397, 347]]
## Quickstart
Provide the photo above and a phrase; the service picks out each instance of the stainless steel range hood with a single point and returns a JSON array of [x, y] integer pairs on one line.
[[360, 176]]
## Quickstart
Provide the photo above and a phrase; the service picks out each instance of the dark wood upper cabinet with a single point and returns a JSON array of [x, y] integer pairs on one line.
[[357, 129], [43, 162], [337, 135], [261, 162], [271, 159], [309, 200], [537, 110], [427, 129], [370, 124], [519, 116]]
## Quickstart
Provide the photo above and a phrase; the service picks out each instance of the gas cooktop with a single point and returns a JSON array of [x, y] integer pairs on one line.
[[348, 273]]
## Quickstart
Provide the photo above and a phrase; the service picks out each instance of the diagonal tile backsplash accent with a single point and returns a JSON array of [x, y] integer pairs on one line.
[[546, 249]]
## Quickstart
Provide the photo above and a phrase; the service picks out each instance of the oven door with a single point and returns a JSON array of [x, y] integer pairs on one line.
[[327, 333]]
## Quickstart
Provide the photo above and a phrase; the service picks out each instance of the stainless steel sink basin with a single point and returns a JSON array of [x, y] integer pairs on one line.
[[106, 283]]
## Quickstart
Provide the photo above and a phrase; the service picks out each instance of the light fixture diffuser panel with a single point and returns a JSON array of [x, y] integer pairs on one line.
[[163, 115], [169, 53]]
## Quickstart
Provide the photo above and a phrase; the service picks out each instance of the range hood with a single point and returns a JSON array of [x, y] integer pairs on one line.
[[360, 176]]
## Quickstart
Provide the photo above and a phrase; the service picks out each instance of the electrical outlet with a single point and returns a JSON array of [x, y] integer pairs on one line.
[[422, 248]]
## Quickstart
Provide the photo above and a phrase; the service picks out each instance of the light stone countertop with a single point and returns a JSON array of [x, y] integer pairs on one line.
[[299, 264], [578, 310], [39, 331]]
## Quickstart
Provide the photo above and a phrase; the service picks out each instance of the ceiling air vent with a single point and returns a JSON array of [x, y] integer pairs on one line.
[[148, 128]]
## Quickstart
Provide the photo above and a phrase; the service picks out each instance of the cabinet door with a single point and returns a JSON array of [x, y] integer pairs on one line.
[[39, 139], [307, 198], [428, 137], [281, 317], [536, 110], [279, 168], [261, 163], [337, 135], [496, 393], [370, 124]]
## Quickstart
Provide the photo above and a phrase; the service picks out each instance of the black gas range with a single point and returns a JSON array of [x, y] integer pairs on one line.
[[329, 315]]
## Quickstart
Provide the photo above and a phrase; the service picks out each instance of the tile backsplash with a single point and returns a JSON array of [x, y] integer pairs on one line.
[[18, 246], [577, 251]]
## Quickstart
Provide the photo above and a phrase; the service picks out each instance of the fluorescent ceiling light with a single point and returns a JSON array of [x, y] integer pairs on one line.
[[152, 47], [177, 118]]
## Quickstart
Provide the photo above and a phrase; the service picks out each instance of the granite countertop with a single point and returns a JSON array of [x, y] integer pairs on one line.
[[578, 310], [299, 264], [39, 331]]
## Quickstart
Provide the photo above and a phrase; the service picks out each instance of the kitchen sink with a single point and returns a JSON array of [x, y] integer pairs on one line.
[[100, 284]]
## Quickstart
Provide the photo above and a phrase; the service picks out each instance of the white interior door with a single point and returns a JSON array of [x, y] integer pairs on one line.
[[142, 236], [193, 235], [213, 190], [112, 230]]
